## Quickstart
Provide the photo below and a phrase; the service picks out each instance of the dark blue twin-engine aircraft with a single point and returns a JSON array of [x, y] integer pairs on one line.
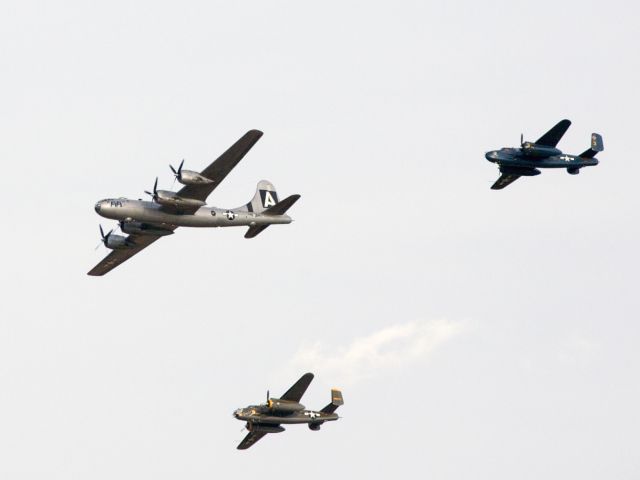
[[526, 160]]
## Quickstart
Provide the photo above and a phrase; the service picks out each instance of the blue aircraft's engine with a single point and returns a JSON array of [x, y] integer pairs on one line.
[[315, 426], [282, 406], [532, 150], [264, 428], [573, 170]]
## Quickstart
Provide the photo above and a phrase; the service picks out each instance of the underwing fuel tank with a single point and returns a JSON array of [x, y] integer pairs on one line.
[[264, 428]]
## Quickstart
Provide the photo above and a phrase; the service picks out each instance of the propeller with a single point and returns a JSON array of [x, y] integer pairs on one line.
[[269, 402], [154, 195], [177, 173], [522, 140], [104, 238]]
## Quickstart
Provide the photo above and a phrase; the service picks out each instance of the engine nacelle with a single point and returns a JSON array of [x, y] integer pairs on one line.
[[532, 150], [264, 428], [283, 406], [172, 199], [143, 229], [315, 426], [116, 242], [189, 177]]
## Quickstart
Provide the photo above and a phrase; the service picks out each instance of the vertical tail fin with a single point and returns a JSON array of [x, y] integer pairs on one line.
[[336, 401], [265, 197], [596, 146]]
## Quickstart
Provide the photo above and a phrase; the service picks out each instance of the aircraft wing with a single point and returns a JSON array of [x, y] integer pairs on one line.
[[505, 180], [553, 136], [250, 439], [221, 167], [295, 393], [116, 257]]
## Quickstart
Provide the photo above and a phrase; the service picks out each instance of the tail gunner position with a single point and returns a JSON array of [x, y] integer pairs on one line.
[[144, 222], [268, 417], [526, 160]]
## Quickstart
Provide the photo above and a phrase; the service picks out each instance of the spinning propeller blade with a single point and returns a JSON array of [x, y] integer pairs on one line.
[[103, 238], [177, 173], [154, 195]]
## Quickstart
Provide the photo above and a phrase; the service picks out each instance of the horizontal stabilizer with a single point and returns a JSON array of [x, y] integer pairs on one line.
[[279, 208], [255, 231], [336, 401], [596, 146]]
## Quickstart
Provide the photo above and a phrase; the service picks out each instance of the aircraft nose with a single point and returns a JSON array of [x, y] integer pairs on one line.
[[491, 156], [98, 206]]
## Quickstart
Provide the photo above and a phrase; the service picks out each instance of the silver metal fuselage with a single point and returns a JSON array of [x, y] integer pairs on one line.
[[154, 214]]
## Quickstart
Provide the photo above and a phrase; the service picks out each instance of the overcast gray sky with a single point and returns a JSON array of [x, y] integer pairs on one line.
[[476, 334]]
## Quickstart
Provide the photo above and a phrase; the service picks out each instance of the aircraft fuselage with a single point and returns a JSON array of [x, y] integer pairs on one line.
[[255, 415], [154, 214], [516, 157]]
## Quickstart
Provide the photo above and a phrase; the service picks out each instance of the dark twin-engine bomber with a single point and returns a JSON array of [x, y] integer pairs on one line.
[[526, 160], [286, 410]]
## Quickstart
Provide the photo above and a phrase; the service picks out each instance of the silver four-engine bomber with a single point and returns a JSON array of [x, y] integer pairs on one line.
[[144, 222]]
